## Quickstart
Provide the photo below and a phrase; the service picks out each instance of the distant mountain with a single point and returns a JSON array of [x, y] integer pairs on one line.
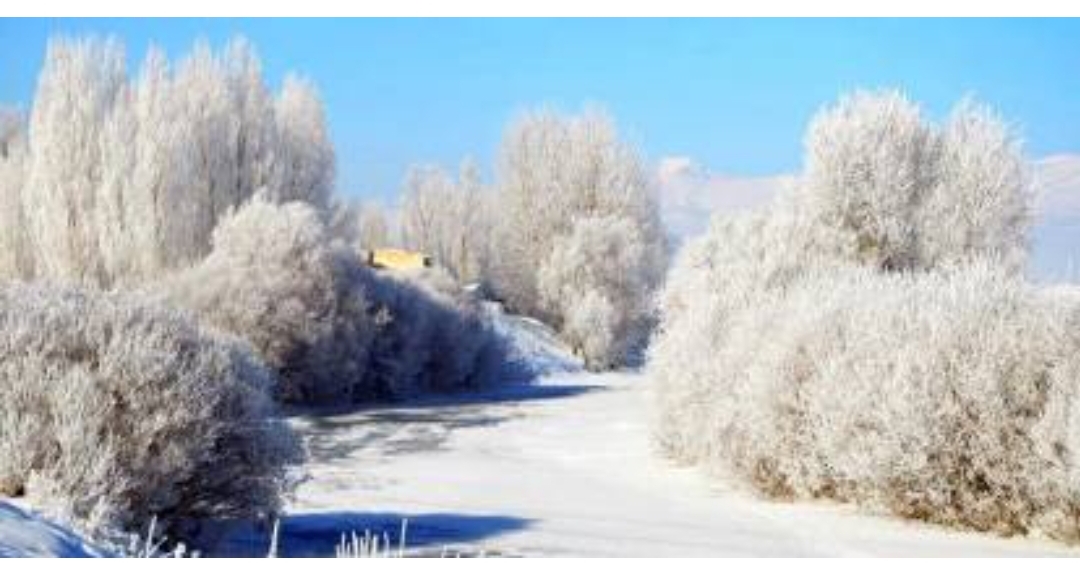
[[1056, 234], [689, 194]]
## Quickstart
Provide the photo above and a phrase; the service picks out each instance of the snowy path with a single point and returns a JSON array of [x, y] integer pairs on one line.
[[564, 467]]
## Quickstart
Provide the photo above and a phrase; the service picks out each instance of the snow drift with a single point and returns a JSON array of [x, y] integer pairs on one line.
[[23, 534]]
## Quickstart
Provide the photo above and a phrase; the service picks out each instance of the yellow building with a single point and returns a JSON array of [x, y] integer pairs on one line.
[[397, 259]]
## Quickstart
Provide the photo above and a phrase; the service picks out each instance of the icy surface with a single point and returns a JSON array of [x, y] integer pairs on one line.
[[564, 467]]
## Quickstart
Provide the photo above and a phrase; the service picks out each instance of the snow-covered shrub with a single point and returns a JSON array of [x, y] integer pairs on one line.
[[596, 282], [943, 396], [431, 337], [555, 171], [274, 279], [114, 410], [334, 330], [126, 178], [738, 262]]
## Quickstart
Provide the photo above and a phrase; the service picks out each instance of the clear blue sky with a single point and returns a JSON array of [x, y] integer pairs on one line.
[[733, 94]]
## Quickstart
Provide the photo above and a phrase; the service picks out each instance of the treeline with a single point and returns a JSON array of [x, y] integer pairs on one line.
[[568, 232]]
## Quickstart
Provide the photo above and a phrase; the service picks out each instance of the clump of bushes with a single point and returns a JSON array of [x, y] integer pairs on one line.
[[944, 396], [114, 410], [274, 279], [334, 330], [432, 337], [870, 338]]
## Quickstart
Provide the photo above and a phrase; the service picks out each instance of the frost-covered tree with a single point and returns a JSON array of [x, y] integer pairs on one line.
[[115, 410], [126, 178], [76, 93], [981, 201], [597, 281], [553, 172], [374, 227], [362, 225], [870, 161], [891, 189], [306, 164], [448, 218], [943, 396], [15, 261], [431, 337]]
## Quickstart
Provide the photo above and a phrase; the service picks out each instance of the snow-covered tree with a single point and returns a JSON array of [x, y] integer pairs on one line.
[[126, 178], [374, 227], [596, 280], [362, 225], [944, 396], [981, 202], [76, 93], [553, 172], [870, 161], [431, 337], [15, 261], [448, 219], [891, 189], [306, 160]]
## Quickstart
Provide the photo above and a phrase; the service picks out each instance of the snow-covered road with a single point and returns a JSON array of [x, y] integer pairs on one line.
[[564, 467]]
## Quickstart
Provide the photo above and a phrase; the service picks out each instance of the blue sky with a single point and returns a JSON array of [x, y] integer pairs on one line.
[[735, 95]]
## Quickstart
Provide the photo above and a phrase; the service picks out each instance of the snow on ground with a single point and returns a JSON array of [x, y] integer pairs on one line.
[[533, 344], [564, 467], [23, 534]]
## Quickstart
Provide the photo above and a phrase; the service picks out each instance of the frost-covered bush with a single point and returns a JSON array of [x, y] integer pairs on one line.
[[431, 337], [713, 280], [126, 177], [274, 279], [596, 282], [114, 410], [943, 396], [554, 172], [868, 337], [333, 329]]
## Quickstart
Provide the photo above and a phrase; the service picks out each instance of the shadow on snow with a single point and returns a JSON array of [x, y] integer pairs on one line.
[[428, 534]]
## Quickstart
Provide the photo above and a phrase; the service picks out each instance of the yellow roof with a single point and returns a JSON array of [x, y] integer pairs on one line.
[[397, 259]]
